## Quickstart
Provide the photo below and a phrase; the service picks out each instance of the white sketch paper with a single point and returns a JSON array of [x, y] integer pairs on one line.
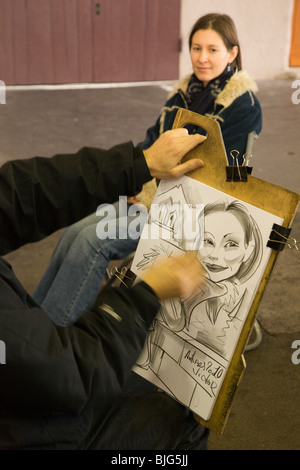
[[192, 340]]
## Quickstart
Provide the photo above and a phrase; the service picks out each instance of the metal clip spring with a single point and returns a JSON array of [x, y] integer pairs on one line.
[[290, 241], [235, 163], [114, 272]]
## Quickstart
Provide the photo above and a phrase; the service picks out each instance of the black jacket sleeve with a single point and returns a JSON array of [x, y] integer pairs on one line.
[[53, 370], [41, 195], [58, 383]]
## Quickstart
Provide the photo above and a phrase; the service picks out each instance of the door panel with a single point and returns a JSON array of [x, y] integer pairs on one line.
[[162, 39], [83, 41], [7, 68], [65, 53], [39, 42], [102, 41], [119, 40], [20, 41]]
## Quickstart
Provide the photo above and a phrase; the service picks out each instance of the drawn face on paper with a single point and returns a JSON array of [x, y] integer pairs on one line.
[[224, 248]]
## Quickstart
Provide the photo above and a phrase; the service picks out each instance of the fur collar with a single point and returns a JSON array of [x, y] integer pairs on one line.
[[237, 85]]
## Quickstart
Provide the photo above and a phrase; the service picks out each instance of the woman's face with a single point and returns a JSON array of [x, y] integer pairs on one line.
[[209, 55], [224, 246]]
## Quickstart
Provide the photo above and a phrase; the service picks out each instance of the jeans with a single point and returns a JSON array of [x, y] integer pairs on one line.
[[72, 280]]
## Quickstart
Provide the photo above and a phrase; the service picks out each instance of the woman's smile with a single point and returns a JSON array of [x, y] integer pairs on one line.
[[216, 268]]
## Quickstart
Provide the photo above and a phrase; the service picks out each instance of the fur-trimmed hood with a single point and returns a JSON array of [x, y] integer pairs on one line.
[[237, 85]]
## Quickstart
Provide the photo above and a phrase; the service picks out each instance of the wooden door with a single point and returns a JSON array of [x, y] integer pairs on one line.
[[39, 41], [119, 29], [84, 41]]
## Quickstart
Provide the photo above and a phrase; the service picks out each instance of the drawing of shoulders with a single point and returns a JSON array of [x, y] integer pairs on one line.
[[212, 317]]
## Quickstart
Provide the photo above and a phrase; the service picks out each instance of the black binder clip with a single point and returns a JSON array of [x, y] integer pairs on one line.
[[246, 159], [122, 275], [238, 172], [279, 237]]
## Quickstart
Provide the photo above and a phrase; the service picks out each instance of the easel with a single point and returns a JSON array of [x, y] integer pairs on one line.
[[237, 181]]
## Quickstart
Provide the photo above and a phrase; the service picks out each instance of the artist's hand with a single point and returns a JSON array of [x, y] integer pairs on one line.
[[164, 156], [175, 277]]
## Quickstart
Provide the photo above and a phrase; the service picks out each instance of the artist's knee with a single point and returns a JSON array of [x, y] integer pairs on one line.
[[87, 241], [70, 234]]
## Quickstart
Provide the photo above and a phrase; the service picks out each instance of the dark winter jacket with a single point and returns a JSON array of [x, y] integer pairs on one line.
[[236, 109], [58, 383]]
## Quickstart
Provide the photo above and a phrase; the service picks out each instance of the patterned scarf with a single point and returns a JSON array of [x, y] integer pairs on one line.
[[200, 99]]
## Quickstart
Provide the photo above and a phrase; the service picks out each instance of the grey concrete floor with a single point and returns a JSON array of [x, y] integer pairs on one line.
[[266, 411]]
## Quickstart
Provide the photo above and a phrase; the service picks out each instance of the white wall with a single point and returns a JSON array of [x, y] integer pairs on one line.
[[264, 30]]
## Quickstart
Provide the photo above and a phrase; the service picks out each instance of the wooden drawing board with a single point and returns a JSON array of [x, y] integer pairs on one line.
[[264, 195]]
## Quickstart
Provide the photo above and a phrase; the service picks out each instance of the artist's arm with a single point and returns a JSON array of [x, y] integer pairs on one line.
[[41, 195], [70, 370]]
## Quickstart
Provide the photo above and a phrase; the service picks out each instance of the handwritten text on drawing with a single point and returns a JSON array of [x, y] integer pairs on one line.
[[205, 371]]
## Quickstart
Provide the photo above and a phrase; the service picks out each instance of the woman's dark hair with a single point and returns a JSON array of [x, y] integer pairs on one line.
[[225, 27]]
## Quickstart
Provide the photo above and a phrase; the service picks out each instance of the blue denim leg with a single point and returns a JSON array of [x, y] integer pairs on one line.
[[71, 284], [59, 255]]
